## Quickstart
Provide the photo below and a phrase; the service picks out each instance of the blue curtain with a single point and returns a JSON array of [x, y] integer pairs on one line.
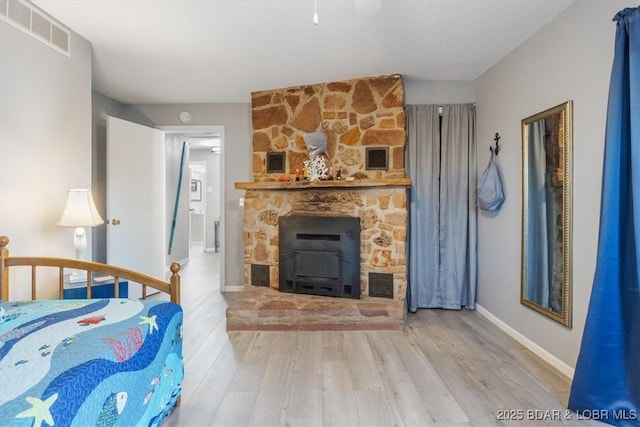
[[443, 222], [607, 375]]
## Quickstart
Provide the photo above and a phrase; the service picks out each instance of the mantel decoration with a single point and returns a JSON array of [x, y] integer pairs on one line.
[[316, 142], [316, 168]]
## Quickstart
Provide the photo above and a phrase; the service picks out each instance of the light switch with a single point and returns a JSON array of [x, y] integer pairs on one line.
[[241, 201]]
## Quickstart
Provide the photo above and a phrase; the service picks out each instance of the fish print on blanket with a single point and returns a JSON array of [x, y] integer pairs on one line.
[[165, 389], [148, 396], [66, 342], [166, 409], [16, 334], [6, 315], [13, 336], [45, 353], [177, 338], [112, 409], [103, 386], [92, 372]]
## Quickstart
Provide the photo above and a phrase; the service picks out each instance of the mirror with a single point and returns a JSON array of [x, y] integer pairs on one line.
[[546, 212]]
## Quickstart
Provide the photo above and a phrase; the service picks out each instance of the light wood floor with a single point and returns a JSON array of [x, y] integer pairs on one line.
[[449, 368]]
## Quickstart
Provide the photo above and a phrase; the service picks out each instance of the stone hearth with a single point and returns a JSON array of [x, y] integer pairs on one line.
[[267, 309]]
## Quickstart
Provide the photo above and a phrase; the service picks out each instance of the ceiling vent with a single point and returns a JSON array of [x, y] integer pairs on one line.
[[32, 21]]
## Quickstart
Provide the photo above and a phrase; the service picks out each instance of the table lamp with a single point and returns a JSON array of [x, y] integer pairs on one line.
[[80, 212]]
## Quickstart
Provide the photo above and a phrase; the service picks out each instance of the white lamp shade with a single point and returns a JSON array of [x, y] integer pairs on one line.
[[80, 210]]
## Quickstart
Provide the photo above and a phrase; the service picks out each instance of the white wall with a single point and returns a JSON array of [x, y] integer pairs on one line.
[[569, 58], [425, 92], [45, 139]]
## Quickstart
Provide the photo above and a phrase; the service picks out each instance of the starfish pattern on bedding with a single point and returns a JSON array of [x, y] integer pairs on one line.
[[40, 410], [151, 321]]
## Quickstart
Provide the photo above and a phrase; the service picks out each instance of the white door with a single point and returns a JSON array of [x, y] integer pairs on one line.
[[136, 199]]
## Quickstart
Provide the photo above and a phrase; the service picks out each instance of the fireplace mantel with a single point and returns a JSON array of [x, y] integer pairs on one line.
[[303, 185]]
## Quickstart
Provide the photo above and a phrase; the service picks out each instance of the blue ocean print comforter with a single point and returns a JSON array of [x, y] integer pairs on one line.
[[100, 362]]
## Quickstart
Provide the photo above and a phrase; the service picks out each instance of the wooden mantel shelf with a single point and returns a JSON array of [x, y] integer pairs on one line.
[[303, 185]]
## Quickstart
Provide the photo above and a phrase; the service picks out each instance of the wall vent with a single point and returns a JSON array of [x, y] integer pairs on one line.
[[381, 285], [24, 15], [260, 275]]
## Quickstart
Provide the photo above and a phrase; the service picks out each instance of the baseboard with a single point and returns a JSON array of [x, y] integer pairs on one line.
[[237, 288], [535, 348]]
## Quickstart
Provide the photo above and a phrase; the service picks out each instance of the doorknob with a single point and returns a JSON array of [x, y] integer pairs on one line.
[[115, 221]]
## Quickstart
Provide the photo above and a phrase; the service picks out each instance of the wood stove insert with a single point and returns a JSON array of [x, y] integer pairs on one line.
[[320, 255]]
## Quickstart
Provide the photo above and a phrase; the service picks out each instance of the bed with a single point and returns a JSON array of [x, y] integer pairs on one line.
[[93, 362]]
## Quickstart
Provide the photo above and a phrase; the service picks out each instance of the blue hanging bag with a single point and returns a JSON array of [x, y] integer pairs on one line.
[[490, 191]]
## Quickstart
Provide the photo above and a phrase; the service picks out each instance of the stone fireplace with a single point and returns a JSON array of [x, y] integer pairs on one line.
[[356, 116]]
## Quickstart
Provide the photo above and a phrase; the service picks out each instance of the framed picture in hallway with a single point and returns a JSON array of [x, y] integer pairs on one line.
[[196, 190]]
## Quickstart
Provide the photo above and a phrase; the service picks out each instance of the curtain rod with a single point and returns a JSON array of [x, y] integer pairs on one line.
[[442, 105]]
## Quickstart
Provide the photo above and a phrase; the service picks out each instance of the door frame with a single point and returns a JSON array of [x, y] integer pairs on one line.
[[217, 129]]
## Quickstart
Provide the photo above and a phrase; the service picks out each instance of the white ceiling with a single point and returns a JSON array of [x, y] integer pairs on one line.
[[208, 51]]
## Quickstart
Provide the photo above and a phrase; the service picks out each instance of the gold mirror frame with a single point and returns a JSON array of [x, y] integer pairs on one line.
[[563, 315]]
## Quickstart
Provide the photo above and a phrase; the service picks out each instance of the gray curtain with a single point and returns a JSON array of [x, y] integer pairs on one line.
[[443, 223], [538, 240], [423, 166]]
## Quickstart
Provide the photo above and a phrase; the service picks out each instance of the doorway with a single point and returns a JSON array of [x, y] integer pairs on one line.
[[204, 194], [199, 218]]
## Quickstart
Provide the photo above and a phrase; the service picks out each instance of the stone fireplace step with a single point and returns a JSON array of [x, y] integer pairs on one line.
[[266, 309]]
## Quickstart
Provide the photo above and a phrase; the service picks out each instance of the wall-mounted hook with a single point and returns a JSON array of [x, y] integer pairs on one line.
[[496, 150]]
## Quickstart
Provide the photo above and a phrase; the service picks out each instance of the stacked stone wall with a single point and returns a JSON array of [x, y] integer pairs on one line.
[[354, 114]]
